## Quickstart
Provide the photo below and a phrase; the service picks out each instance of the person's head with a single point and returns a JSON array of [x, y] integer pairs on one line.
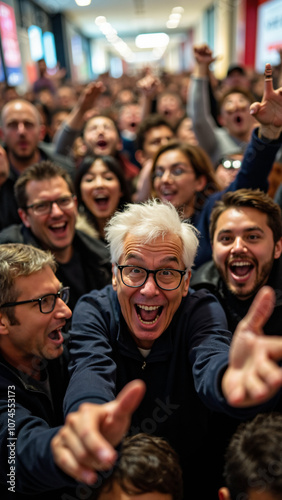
[[153, 132], [47, 206], [253, 460], [234, 112], [246, 238], [58, 116], [227, 169], [183, 175], [21, 130], [170, 106], [147, 468], [101, 136], [66, 96], [150, 236], [101, 188], [32, 313], [129, 117], [236, 76], [184, 131], [42, 67]]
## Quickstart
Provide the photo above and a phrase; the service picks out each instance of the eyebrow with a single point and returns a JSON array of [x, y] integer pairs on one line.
[[165, 260], [247, 230]]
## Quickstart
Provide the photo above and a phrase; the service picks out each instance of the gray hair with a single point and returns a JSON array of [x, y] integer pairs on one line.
[[150, 220], [17, 259]]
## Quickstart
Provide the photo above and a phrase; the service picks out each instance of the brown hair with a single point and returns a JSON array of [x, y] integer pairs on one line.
[[253, 198]]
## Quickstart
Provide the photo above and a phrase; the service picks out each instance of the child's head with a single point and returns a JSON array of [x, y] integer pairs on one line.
[[253, 461], [147, 469]]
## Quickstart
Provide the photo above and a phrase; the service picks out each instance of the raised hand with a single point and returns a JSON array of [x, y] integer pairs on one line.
[[268, 112], [253, 375], [85, 444]]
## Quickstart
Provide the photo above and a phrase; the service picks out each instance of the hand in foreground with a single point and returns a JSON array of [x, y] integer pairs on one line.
[[268, 112], [253, 375], [85, 444], [203, 54]]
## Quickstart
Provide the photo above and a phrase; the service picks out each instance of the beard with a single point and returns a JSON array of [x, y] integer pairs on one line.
[[241, 290]]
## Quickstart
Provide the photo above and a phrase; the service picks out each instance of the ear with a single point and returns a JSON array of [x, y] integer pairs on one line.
[[119, 145], [278, 249], [186, 285], [223, 494], [4, 325], [114, 278], [201, 183], [24, 217], [221, 120]]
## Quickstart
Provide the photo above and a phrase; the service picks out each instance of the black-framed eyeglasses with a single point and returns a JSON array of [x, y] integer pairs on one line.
[[166, 279], [45, 207], [47, 302]]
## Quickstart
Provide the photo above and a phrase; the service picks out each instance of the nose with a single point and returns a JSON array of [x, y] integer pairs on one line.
[[238, 245], [166, 177], [150, 287], [62, 310], [55, 209], [99, 181], [21, 127]]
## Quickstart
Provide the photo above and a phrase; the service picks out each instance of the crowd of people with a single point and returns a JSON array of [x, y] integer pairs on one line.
[[140, 286]]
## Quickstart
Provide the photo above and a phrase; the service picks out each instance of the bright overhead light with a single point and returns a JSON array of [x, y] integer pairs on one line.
[[83, 3], [100, 20], [151, 40]]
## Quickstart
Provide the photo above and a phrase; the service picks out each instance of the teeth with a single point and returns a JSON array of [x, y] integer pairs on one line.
[[148, 322], [240, 264], [58, 226], [148, 308]]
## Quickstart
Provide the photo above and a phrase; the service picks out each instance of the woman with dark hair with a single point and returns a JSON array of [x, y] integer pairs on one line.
[[101, 189], [183, 175]]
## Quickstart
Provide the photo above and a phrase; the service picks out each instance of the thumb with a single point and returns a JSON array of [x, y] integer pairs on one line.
[[260, 310]]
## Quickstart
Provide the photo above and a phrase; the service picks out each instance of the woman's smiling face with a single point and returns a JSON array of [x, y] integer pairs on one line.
[[100, 190]]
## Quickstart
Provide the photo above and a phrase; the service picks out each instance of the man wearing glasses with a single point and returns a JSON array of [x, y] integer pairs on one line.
[[33, 379], [149, 325], [48, 210]]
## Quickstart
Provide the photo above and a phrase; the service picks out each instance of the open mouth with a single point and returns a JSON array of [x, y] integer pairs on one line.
[[102, 201], [241, 269], [56, 336], [102, 144], [238, 119], [58, 228], [148, 315]]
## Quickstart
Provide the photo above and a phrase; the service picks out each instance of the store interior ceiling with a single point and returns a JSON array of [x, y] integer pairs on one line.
[[128, 18]]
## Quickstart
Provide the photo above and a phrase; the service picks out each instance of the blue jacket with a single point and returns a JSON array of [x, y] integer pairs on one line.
[[189, 355]]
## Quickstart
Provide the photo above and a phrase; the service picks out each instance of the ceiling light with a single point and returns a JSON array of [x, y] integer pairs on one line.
[[151, 40], [83, 3]]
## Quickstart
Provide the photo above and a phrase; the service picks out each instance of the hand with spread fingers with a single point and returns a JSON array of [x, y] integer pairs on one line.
[[268, 112], [253, 375], [85, 444]]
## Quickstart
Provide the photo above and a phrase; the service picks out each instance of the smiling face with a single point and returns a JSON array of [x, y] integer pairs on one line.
[[101, 136], [100, 190], [55, 230], [148, 310], [175, 181], [235, 115], [37, 335], [244, 250]]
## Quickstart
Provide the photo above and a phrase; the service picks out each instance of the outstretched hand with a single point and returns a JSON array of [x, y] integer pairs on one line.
[[253, 375], [85, 444], [268, 112]]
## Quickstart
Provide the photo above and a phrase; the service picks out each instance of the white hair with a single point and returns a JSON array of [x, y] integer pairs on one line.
[[150, 220]]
